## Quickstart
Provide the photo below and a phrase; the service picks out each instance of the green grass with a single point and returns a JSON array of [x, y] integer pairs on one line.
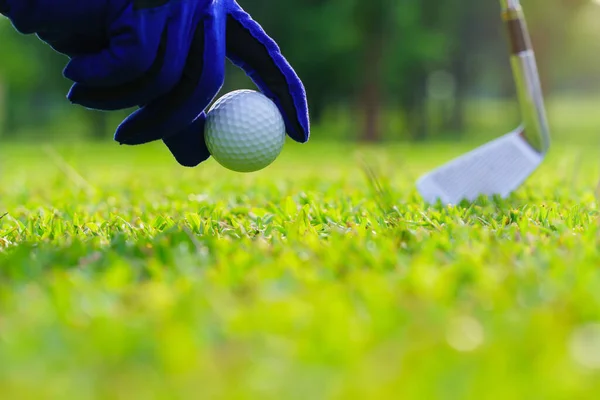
[[124, 276]]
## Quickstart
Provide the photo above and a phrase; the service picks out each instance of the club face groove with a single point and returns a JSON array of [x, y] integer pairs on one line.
[[502, 165]]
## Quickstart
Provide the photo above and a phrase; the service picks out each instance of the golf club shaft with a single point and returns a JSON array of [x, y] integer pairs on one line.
[[527, 81]]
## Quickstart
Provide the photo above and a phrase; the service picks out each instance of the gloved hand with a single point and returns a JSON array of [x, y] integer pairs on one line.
[[165, 56]]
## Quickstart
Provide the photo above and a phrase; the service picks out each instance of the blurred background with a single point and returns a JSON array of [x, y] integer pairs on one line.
[[378, 70]]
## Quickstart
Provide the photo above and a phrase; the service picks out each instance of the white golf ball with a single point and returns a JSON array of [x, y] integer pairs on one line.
[[244, 131]]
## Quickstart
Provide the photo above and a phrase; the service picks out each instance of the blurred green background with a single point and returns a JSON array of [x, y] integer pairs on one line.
[[380, 70]]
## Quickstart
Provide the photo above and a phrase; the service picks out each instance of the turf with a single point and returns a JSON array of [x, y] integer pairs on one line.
[[124, 276]]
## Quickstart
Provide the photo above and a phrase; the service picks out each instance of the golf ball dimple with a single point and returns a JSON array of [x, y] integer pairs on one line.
[[244, 131]]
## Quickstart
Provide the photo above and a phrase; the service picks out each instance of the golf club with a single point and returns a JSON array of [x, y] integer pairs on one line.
[[502, 165]]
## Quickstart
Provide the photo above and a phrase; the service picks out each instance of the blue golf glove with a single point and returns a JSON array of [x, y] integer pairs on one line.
[[166, 57]]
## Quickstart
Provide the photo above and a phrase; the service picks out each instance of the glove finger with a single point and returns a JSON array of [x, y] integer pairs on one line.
[[135, 39], [162, 76], [188, 146], [202, 78], [251, 49]]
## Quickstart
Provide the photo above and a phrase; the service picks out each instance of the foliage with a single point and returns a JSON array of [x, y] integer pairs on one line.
[[361, 57]]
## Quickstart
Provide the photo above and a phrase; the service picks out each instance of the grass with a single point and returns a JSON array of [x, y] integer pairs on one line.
[[124, 276]]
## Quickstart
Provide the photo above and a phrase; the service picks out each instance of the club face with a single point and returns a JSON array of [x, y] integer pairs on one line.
[[501, 166], [496, 168]]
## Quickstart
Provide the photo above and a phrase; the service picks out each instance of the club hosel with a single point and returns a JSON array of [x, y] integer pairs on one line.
[[531, 101], [526, 77]]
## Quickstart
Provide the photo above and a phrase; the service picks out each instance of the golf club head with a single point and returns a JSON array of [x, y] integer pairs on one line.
[[501, 166], [496, 168]]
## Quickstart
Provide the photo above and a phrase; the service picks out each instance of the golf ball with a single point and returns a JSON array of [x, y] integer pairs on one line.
[[244, 131]]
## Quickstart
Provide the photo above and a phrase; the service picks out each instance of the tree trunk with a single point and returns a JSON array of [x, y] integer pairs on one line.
[[3, 111], [416, 105], [371, 92], [10, 123], [98, 124], [460, 73]]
